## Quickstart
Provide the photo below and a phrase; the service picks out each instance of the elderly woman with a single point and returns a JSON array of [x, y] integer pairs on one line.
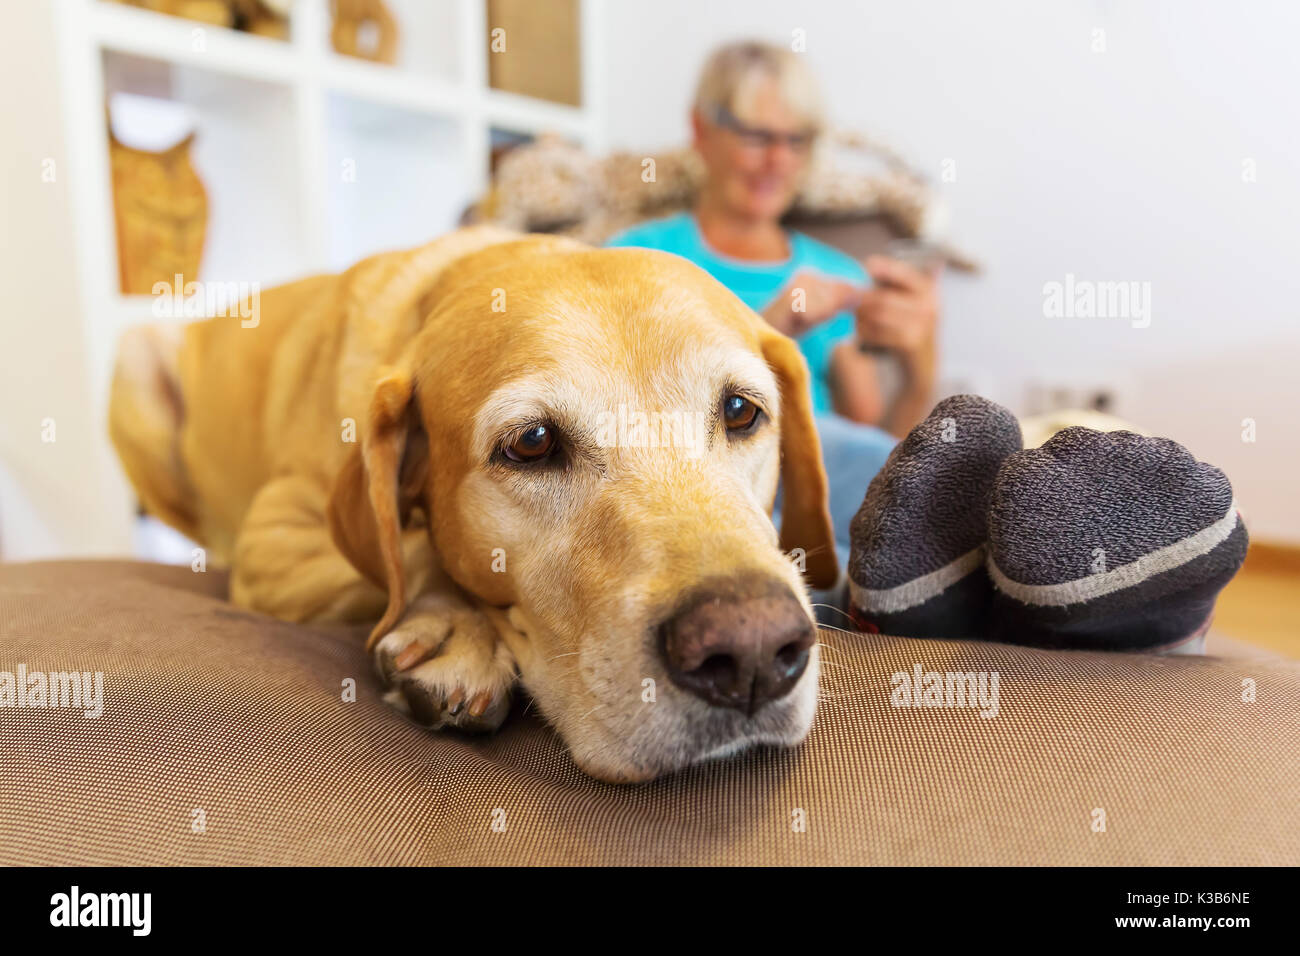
[[756, 117]]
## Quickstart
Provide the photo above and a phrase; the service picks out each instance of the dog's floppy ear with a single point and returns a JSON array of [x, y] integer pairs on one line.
[[805, 506], [376, 488]]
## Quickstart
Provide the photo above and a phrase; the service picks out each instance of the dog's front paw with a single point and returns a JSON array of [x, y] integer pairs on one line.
[[446, 666]]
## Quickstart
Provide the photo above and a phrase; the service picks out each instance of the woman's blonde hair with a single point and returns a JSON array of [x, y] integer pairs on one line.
[[731, 73]]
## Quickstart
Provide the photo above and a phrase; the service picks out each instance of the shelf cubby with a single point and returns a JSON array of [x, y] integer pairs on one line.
[[275, 122]]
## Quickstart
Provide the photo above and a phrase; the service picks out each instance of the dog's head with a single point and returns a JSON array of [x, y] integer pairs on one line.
[[596, 437]]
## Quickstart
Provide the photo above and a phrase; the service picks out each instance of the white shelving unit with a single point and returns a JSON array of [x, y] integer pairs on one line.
[[278, 123]]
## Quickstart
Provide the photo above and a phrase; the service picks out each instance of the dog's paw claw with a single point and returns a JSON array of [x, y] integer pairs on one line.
[[428, 705], [413, 654], [454, 673]]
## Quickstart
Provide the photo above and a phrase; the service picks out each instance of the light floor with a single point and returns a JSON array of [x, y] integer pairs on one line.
[[1261, 606]]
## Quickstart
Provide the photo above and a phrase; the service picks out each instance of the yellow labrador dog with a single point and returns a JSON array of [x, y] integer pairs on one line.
[[528, 460]]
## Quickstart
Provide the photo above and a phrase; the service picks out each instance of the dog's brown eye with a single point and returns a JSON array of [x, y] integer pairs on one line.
[[739, 413], [533, 444]]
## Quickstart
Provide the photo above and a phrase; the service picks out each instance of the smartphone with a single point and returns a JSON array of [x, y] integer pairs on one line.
[[917, 253]]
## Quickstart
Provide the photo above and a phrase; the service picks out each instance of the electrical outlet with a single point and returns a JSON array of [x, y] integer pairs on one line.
[[1044, 397]]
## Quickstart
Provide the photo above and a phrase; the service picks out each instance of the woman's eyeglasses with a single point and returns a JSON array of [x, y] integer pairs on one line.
[[757, 138]]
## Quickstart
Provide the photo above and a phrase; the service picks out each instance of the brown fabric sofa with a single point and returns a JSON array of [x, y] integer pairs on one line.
[[208, 707]]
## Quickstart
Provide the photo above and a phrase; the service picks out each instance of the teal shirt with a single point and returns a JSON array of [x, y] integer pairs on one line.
[[758, 283]]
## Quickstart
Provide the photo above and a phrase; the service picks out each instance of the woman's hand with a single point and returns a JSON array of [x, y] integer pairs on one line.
[[810, 299], [900, 312]]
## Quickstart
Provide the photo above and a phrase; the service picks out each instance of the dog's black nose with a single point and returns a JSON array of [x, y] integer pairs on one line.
[[738, 651]]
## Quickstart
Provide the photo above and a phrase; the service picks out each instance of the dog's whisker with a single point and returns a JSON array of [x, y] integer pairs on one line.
[[832, 680], [838, 630], [835, 699], [839, 611]]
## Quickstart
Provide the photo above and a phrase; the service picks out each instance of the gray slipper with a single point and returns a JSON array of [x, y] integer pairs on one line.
[[1109, 540], [916, 565]]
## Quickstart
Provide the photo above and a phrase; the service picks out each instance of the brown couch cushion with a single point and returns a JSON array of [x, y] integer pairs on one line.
[[208, 706]]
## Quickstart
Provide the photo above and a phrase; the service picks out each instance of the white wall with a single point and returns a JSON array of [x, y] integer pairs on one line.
[[1118, 165], [51, 492]]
